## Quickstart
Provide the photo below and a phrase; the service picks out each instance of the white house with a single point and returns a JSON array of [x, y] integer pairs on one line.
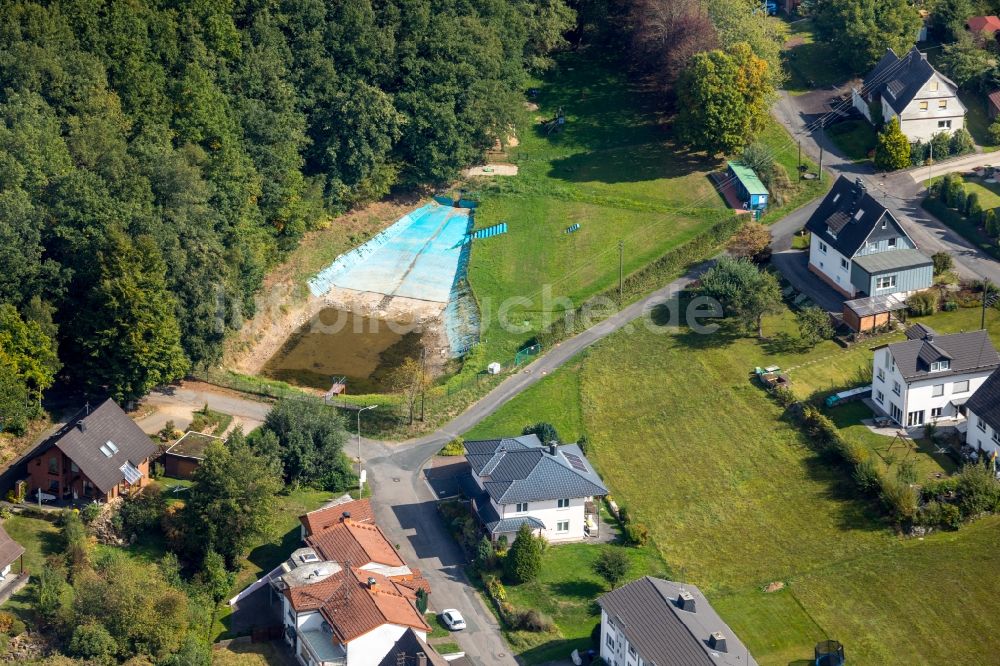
[[929, 376], [655, 621], [983, 410], [517, 480], [859, 248], [348, 617], [909, 88]]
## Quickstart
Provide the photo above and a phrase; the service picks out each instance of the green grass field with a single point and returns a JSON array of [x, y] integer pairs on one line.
[[854, 137], [810, 64], [735, 499], [565, 591]]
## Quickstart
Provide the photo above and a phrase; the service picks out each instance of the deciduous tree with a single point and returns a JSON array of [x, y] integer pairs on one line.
[[860, 31], [612, 565], [752, 239]]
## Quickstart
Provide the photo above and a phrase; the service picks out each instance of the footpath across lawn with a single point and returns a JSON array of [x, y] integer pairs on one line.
[[736, 499]]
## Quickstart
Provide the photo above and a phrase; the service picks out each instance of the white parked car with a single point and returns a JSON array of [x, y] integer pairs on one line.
[[453, 619]]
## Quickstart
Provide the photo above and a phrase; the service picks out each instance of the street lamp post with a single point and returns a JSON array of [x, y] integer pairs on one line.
[[363, 409]]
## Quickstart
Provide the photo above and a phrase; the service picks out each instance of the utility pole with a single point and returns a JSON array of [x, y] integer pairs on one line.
[[988, 300], [621, 271], [423, 384], [822, 132], [930, 168], [362, 409]]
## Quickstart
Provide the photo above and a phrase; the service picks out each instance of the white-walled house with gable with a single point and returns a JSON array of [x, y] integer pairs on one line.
[[517, 480], [655, 621], [930, 377], [860, 249], [983, 411], [909, 88]]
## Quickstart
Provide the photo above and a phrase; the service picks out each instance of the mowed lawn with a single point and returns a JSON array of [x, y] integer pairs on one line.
[[614, 170], [735, 499]]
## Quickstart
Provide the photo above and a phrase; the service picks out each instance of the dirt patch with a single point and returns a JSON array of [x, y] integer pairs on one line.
[[774, 587], [491, 170], [531, 106]]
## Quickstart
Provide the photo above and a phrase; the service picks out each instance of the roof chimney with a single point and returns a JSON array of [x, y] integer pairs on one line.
[[82, 425], [717, 641], [371, 583], [346, 515], [685, 601], [552, 449], [421, 659]]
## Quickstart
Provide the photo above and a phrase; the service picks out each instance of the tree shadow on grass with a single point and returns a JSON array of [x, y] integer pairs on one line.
[[856, 512], [630, 164], [581, 589], [269, 555], [555, 650], [784, 343]]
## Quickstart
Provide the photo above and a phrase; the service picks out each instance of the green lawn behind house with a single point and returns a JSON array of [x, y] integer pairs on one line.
[[972, 231]]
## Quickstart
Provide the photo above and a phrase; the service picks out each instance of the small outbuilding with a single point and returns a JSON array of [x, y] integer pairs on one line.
[[183, 458], [750, 190], [993, 104]]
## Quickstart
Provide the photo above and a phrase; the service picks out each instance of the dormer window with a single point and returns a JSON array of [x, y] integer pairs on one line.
[[833, 234], [938, 366]]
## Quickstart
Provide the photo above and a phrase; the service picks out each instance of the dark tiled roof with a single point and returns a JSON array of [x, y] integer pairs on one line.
[[646, 611], [404, 652], [967, 352], [522, 470], [900, 79], [985, 402], [10, 550], [106, 423], [491, 520], [839, 213]]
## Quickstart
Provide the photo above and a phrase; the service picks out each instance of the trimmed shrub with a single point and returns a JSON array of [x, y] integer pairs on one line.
[[961, 142], [943, 262], [784, 396], [455, 447], [90, 512], [971, 200], [990, 223], [545, 432]]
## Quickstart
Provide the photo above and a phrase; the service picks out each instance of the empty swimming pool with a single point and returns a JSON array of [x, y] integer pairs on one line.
[[417, 257]]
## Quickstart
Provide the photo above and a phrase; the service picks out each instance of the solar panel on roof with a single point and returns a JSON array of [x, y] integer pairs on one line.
[[575, 462], [131, 472]]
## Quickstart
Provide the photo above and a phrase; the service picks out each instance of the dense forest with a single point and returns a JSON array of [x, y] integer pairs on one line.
[[158, 156]]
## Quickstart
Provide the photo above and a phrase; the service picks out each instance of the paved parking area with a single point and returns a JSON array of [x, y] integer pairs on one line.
[[794, 267]]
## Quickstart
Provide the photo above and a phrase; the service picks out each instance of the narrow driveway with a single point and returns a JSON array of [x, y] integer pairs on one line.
[[794, 265]]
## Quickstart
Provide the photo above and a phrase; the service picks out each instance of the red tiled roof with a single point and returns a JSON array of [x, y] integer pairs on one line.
[[983, 23], [356, 543], [321, 519], [352, 607]]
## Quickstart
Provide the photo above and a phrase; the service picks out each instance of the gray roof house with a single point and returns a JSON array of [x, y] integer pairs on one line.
[[860, 249], [930, 377], [668, 624], [99, 454], [908, 88], [984, 416], [516, 480]]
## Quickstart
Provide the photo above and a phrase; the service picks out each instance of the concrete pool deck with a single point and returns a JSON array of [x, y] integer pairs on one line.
[[418, 257]]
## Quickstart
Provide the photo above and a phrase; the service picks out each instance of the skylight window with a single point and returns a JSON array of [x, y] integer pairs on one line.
[[111, 445], [106, 451], [857, 216]]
